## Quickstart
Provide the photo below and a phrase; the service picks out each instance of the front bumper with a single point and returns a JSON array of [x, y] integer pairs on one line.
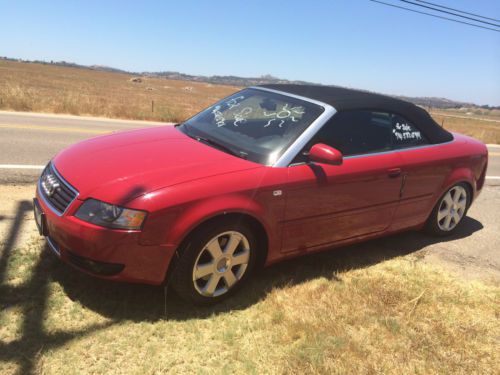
[[106, 253]]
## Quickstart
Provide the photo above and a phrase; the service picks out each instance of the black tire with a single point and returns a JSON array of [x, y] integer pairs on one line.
[[434, 226], [195, 248]]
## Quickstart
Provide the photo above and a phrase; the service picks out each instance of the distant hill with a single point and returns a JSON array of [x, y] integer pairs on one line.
[[432, 102], [224, 80], [439, 102], [69, 64], [104, 68]]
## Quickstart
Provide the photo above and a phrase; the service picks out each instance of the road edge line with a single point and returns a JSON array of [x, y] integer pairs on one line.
[[21, 166]]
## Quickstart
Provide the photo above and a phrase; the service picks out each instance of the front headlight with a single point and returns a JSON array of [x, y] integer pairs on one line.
[[110, 216]]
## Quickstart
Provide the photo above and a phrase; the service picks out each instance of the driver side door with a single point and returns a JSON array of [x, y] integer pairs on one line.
[[326, 204]]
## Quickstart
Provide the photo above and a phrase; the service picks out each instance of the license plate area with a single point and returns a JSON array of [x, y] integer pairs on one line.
[[40, 219]]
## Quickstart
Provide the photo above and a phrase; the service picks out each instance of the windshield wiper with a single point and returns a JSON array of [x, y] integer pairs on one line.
[[220, 146], [211, 142]]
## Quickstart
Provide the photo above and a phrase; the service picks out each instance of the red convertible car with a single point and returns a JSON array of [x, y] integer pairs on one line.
[[266, 174]]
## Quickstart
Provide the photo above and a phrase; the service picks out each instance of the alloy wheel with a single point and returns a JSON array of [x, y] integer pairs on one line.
[[221, 264], [452, 208]]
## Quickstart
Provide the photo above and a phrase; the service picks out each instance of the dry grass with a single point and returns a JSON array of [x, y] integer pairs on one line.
[[54, 89], [333, 313], [481, 113], [487, 130]]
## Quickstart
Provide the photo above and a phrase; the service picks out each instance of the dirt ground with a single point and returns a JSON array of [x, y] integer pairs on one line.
[[473, 252]]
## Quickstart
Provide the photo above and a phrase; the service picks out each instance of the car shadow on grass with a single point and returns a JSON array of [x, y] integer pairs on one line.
[[121, 301]]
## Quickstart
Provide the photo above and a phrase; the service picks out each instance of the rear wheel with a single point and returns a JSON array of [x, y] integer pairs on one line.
[[449, 211], [215, 262]]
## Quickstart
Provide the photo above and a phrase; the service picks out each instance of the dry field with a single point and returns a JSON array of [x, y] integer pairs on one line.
[[53, 89], [487, 129], [374, 308]]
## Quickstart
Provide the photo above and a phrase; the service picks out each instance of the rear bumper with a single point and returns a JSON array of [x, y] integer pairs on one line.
[[105, 253]]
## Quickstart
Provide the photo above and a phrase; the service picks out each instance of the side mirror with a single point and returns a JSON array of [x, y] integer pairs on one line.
[[325, 154]]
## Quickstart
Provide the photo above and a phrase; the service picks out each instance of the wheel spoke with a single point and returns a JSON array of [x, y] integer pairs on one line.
[[203, 270], [214, 249], [456, 217], [212, 284], [443, 213], [232, 244], [462, 203], [241, 258], [448, 199], [447, 222], [229, 278]]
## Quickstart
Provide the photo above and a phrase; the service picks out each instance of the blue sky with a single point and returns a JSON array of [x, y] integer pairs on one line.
[[354, 43]]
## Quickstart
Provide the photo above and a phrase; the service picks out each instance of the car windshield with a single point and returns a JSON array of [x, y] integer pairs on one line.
[[253, 124]]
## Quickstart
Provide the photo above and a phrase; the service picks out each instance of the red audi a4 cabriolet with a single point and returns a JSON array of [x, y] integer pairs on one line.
[[268, 173]]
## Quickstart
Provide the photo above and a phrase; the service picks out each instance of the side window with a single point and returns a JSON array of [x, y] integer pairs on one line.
[[405, 134], [355, 133], [364, 132]]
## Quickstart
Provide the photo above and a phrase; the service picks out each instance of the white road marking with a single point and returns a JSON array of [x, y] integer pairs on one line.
[[21, 166], [493, 177]]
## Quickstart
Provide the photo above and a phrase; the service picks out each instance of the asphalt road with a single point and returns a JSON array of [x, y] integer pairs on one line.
[[28, 141]]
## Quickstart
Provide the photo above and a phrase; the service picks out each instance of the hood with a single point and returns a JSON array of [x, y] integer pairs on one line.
[[122, 166]]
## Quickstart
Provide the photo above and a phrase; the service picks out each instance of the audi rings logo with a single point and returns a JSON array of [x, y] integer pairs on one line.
[[50, 184]]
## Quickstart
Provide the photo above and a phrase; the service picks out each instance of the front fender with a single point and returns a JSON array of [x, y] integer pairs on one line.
[[174, 212], [170, 226], [202, 211]]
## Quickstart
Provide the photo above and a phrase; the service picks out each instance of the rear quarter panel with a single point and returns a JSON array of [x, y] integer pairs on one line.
[[470, 165], [433, 170]]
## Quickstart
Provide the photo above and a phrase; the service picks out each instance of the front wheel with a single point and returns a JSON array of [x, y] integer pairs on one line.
[[215, 262], [449, 211]]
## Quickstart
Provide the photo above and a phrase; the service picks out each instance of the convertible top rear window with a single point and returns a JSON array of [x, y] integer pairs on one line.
[[255, 124]]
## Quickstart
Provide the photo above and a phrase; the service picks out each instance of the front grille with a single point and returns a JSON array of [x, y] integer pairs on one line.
[[55, 191]]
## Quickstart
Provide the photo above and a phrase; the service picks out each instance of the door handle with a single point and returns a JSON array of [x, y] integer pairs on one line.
[[394, 172]]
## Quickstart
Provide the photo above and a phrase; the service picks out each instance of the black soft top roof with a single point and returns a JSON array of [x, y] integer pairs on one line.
[[343, 99]]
